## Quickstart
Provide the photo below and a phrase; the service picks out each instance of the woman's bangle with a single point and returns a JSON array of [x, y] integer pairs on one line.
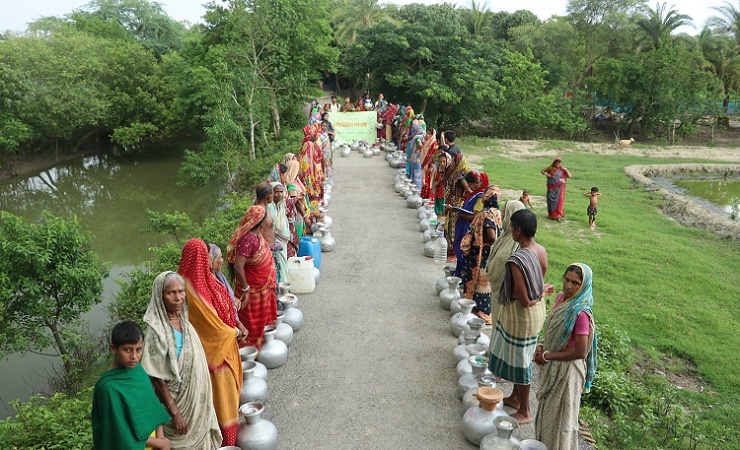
[[170, 403], [543, 356], [245, 289]]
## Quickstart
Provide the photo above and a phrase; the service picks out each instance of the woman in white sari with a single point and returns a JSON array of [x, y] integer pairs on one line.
[[174, 359]]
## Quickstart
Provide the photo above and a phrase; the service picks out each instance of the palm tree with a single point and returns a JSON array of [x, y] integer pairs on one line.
[[352, 16], [479, 17], [728, 20], [659, 24]]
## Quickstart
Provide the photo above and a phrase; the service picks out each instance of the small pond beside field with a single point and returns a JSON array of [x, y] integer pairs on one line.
[[718, 193]]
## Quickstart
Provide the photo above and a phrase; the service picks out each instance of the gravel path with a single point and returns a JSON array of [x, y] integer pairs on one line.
[[373, 366]]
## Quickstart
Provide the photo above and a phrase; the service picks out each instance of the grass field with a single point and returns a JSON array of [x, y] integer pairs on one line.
[[674, 290]]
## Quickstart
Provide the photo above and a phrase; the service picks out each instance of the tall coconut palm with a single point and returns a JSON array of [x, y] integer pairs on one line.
[[728, 20], [352, 16], [658, 24]]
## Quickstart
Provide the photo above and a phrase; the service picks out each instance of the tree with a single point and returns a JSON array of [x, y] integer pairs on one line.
[[49, 276], [479, 17], [728, 20], [658, 24], [143, 20], [658, 89], [353, 17]]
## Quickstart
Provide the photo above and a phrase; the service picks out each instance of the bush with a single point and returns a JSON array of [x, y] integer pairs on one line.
[[58, 422]]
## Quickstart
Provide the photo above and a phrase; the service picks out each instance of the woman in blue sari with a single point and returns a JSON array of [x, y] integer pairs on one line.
[[477, 182], [413, 152]]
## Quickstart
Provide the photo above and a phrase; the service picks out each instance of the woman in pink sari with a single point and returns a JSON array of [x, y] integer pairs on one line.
[[428, 155]]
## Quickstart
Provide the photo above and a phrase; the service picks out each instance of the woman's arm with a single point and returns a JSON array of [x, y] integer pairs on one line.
[[566, 174], [489, 235], [163, 392], [545, 172], [579, 351], [239, 264]]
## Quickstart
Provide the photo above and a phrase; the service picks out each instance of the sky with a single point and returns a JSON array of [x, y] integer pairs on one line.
[[16, 14]]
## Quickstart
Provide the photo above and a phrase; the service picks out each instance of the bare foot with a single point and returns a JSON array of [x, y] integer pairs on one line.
[[522, 418], [511, 402]]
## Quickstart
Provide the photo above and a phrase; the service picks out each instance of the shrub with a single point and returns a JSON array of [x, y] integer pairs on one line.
[[58, 422]]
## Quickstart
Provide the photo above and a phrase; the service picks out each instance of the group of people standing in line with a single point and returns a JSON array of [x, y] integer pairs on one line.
[[185, 392], [497, 257]]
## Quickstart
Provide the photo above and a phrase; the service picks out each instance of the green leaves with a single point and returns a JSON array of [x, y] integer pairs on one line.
[[50, 276]]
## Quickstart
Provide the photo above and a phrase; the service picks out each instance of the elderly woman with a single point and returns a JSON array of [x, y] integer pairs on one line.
[[567, 360], [483, 231], [279, 212], [501, 251], [176, 363], [212, 315], [251, 262]]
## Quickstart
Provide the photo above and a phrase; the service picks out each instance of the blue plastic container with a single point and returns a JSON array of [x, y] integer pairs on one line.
[[310, 246]]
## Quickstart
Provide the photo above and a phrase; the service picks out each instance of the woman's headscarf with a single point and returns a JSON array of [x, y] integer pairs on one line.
[[566, 314], [213, 251], [254, 215], [196, 269], [292, 173], [288, 158], [503, 248], [490, 197], [160, 355], [482, 179]]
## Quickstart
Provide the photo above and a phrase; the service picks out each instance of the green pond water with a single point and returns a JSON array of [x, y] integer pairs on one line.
[[723, 193], [110, 193]]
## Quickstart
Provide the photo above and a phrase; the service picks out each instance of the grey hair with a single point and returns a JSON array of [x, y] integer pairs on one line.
[[172, 276]]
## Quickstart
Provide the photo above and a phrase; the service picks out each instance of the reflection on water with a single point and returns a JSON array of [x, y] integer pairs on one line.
[[110, 194], [723, 192]]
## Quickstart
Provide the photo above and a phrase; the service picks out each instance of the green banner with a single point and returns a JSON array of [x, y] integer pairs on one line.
[[350, 126]]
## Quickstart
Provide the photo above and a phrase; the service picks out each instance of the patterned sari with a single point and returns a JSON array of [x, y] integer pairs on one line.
[[453, 197], [212, 316], [562, 382], [428, 156], [476, 252], [311, 171]]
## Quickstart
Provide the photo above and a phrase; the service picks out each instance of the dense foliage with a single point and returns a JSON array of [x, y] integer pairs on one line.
[[608, 63], [50, 276]]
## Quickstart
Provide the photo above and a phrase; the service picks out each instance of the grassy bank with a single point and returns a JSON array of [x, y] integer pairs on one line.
[[672, 289]]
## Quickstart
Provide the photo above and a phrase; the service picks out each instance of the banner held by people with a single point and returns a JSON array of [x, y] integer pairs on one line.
[[350, 126]]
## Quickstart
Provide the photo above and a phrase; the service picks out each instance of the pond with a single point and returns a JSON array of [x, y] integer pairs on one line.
[[110, 193], [720, 192]]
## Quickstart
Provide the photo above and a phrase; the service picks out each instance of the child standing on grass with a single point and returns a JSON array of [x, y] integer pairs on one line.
[[593, 196], [126, 414], [525, 199]]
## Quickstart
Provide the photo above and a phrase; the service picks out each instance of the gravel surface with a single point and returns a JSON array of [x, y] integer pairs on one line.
[[372, 368]]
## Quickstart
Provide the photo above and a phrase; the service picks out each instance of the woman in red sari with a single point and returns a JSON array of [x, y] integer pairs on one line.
[[212, 316], [556, 175], [250, 258], [428, 155], [311, 172]]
